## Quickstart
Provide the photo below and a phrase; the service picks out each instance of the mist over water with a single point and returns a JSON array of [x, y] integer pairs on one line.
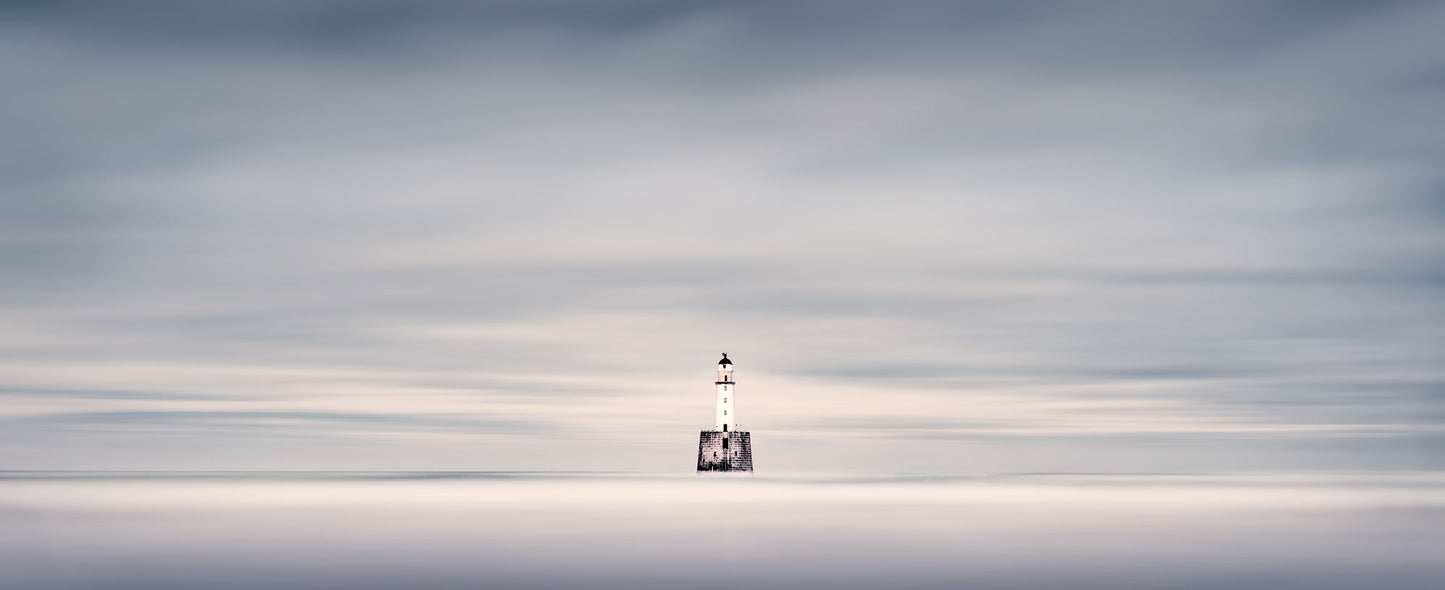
[[76, 530]]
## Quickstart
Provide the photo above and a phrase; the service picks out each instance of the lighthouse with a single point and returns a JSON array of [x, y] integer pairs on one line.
[[725, 448]]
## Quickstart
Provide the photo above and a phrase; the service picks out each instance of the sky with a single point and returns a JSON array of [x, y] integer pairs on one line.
[[1111, 236]]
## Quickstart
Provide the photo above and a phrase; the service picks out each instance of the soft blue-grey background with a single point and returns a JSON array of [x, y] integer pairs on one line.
[[977, 236]]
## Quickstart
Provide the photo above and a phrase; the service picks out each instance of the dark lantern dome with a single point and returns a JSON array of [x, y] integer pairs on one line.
[[725, 360]]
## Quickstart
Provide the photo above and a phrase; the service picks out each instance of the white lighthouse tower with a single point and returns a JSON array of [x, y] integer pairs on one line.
[[725, 448], [726, 419]]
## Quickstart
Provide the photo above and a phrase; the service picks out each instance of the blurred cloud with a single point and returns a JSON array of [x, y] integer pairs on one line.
[[1059, 225]]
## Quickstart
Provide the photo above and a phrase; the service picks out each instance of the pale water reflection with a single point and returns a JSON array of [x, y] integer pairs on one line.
[[63, 530]]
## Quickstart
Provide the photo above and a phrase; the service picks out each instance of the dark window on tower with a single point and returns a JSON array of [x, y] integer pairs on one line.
[[725, 444]]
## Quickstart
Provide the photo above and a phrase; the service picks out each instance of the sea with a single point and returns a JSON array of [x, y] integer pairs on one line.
[[541, 530]]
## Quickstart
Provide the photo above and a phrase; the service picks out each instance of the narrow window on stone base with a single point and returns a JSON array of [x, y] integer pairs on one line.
[[725, 444]]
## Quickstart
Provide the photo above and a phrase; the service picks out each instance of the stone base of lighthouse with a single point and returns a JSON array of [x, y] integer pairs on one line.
[[724, 451]]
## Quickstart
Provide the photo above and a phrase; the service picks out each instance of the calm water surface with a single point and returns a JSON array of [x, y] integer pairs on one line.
[[64, 530]]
